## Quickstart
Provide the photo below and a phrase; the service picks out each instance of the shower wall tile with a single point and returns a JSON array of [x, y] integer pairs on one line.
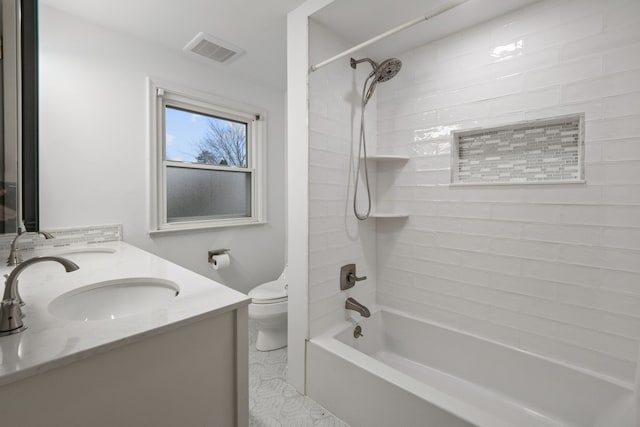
[[622, 16], [610, 84], [593, 109], [606, 40], [563, 73], [623, 59], [626, 149], [621, 105], [550, 269], [336, 237]]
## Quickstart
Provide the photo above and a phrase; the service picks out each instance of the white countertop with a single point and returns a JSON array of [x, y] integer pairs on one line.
[[50, 342]]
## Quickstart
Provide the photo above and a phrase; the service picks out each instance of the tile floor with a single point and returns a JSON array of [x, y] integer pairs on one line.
[[275, 403]]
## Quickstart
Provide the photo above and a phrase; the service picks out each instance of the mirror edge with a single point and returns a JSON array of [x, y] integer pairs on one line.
[[29, 73]]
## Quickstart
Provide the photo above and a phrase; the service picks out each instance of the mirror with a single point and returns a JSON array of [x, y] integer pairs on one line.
[[18, 116]]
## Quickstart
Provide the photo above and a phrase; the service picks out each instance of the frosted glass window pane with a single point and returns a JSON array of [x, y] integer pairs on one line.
[[199, 138], [207, 194]]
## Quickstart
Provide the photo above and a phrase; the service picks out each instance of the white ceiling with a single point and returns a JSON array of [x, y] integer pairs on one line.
[[360, 20], [259, 26]]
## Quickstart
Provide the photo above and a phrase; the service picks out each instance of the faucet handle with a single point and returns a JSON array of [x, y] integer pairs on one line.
[[353, 278], [348, 277]]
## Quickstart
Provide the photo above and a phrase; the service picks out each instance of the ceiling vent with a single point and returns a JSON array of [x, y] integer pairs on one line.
[[207, 46]]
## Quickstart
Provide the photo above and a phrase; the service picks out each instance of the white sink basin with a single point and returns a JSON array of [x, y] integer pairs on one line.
[[95, 250], [114, 299], [80, 255], [84, 254]]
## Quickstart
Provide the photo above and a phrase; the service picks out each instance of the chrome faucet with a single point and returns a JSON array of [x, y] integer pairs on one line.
[[352, 304], [14, 256], [10, 312]]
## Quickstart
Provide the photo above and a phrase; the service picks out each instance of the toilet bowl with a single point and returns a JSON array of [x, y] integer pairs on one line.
[[268, 309]]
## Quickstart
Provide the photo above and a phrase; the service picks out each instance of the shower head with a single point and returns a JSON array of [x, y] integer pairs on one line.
[[382, 72], [388, 69]]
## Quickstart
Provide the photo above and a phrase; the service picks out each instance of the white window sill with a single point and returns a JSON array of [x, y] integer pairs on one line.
[[186, 227]]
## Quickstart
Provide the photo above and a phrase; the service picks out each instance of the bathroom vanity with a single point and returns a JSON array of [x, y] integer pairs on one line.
[[128, 339]]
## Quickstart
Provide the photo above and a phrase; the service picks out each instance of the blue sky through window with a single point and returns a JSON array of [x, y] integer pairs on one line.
[[185, 131]]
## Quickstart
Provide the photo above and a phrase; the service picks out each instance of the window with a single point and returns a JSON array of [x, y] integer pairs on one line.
[[208, 166]]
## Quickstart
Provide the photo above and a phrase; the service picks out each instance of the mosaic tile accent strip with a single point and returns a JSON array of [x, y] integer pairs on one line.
[[64, 237], [275, 403], [540, 151]]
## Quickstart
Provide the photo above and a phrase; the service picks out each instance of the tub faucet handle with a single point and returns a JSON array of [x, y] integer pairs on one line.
[[348, 277], [353, 278]]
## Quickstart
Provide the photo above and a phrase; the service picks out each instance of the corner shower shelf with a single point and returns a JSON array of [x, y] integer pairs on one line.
[[388, 215], [387, 157]]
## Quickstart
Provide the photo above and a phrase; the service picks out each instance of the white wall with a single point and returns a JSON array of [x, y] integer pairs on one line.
[[336, 237], [94, 161], [554, 270]]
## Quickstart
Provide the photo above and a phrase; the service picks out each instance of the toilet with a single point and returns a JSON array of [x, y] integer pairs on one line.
[[268, 309]]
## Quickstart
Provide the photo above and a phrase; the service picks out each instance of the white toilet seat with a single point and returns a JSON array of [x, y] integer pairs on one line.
[[271, 301], [269, 292]]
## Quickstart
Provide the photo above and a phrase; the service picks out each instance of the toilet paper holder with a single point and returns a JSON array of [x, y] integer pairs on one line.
[[215, 252]]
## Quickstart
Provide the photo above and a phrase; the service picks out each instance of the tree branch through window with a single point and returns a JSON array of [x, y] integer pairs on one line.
[[225, 144]]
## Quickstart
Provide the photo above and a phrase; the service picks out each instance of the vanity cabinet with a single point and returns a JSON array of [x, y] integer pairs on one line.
[[191, 374]]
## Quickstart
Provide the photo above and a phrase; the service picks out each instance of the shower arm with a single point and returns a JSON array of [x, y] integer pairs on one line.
[[399, 28], [354, 63]]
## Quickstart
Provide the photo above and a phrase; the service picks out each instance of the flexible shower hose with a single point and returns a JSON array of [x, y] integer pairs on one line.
[[367, 93]]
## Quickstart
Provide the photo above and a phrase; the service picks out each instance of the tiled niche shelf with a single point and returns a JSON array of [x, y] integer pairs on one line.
[[546, 151], [388, 159]]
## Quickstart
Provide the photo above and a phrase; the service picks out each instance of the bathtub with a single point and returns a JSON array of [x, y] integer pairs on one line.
[[405, 372]]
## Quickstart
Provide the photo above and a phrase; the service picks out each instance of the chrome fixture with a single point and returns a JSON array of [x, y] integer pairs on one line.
[[10, 312], [357, 332], [352, 304], [14, 255], [348, 277], [215, 252], [382, 72]]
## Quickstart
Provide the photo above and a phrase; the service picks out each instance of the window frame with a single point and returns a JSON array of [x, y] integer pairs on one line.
[[162, 94]]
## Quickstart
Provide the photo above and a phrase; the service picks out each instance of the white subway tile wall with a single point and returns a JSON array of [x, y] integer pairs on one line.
[[336, 237], [550, 269]]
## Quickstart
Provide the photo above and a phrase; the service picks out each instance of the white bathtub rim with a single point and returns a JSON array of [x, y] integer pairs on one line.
[[447, 403], [334, 330]]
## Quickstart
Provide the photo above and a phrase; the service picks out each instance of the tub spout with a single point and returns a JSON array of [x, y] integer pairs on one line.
[[352, 304]]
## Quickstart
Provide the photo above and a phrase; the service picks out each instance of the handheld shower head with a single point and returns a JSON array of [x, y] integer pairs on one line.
[[384, 71], [387, 69]]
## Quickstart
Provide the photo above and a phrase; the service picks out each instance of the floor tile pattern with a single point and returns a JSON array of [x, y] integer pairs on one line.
[[275, 403]]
